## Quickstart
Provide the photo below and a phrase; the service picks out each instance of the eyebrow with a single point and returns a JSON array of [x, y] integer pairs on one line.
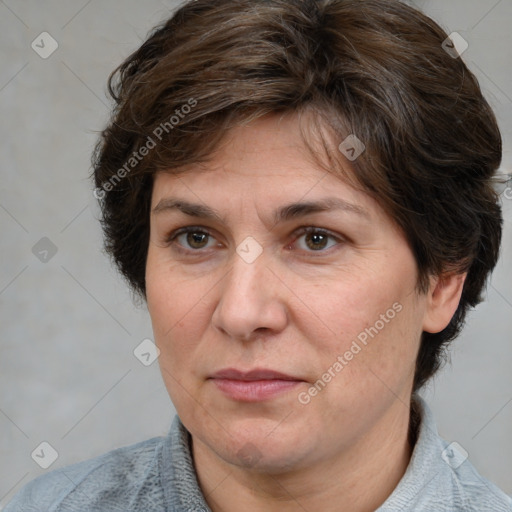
[[285, 213]]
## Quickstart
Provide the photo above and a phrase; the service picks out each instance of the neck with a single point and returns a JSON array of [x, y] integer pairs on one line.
[[358, 480]]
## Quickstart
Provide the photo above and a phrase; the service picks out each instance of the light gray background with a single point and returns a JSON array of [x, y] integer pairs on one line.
[[68, 375]]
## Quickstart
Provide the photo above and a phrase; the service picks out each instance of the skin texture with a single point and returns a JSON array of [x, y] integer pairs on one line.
[[297, 307]]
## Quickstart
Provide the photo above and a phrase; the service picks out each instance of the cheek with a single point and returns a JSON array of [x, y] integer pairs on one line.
[[177, 320], [356, 308], [377, 328], [170, 295], [386, 350], [177, 307]]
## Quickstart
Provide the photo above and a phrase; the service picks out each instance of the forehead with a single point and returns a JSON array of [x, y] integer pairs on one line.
[[267, 154], [263, 167]]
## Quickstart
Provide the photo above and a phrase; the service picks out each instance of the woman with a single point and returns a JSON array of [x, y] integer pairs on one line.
[[302, 193]]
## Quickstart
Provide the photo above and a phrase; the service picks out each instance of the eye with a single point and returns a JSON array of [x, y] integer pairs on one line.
[[194, 239], [316, 239], [191, 239]]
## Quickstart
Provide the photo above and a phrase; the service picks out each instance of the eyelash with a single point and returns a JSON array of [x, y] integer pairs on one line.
[[303, 230]]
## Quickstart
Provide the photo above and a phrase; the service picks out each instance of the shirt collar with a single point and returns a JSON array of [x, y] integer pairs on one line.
[[425, 463]]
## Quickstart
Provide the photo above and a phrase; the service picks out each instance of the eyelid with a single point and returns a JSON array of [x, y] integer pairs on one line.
[[185, 229], [314, 229]]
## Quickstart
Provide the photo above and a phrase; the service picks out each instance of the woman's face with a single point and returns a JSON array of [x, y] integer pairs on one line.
[[328, 320]]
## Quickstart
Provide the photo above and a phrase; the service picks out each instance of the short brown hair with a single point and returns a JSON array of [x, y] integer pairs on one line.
[[373, 68]]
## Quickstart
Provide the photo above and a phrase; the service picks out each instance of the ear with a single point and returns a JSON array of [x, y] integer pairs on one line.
[[443, 299]]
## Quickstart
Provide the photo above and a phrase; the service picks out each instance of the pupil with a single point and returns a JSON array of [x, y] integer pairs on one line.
[[316, 238], [196, 238]]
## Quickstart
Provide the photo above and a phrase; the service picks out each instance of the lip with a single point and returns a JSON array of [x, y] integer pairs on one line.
[[255, 374], [256, 385]]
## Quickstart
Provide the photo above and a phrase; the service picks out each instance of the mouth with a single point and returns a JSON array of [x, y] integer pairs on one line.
[[255, 385]]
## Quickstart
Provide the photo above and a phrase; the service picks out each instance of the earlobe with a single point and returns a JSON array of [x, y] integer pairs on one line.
[[442, 301]]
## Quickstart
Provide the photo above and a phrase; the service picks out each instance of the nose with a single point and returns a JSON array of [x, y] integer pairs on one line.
[[252, 301]]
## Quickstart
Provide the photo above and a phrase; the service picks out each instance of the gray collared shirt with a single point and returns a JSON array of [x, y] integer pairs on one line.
[[158, 475]]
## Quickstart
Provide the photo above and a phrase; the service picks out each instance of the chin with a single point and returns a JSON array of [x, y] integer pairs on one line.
[[263, 446], [264, 458]]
